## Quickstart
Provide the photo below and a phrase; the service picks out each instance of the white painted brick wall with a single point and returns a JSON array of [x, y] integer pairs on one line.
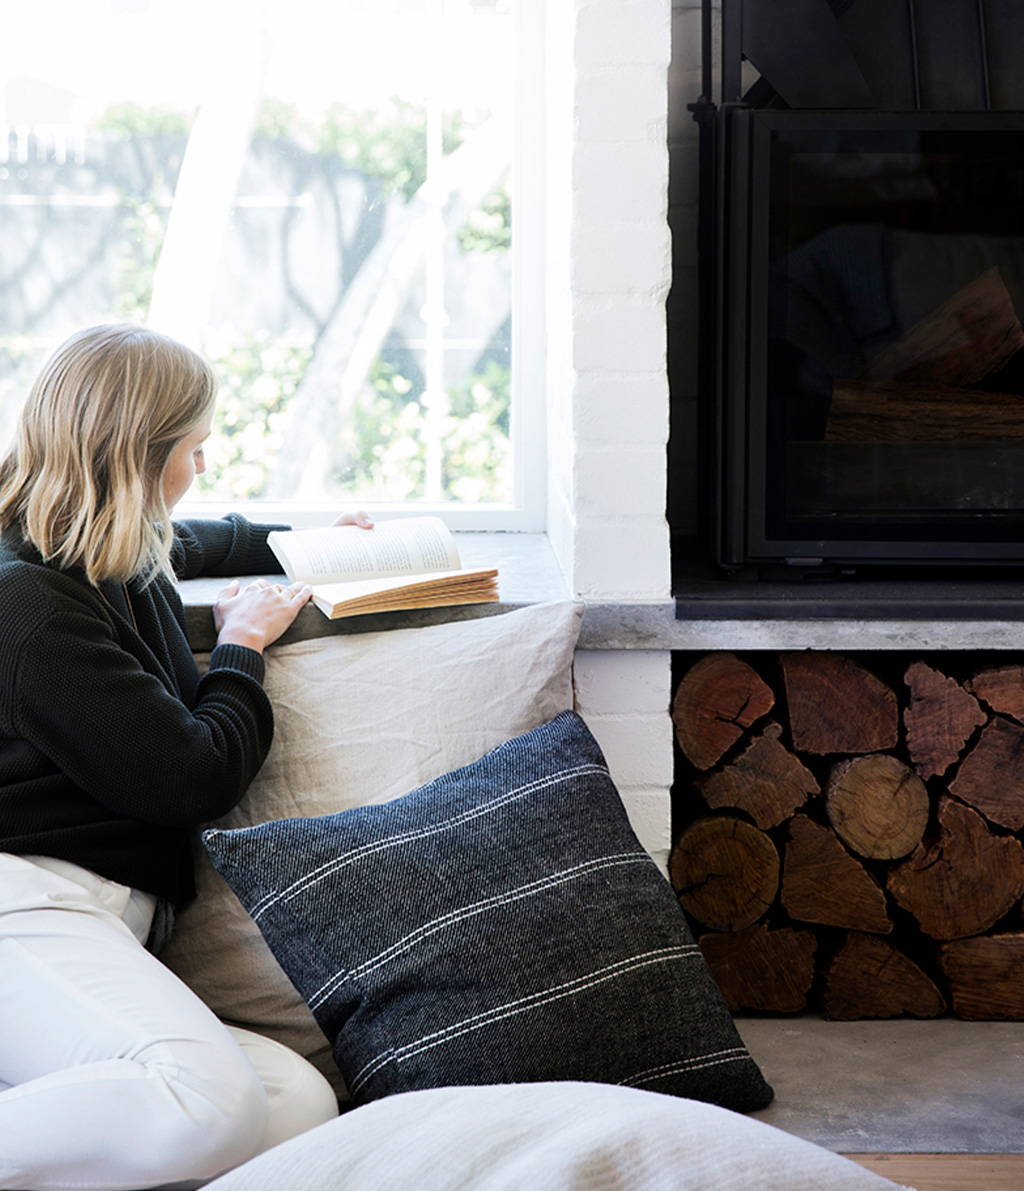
[[650, 817], [614, 481], [617, 32], [605, 676], [637, 749], [635, 403], [608, 278], [624, 698], [612, 102], [614, 179], [620, 258], [619, 558], [621, 335], [620, 272]]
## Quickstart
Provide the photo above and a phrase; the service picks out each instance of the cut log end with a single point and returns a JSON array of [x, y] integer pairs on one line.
[[823, 883], [870, 978], [762, 969], [991, 776], [877, 805], [725, 872], [984, 977], [837, 706], [716, 701], [939, 720], [1001, 688], [964, 881], [766, 780]]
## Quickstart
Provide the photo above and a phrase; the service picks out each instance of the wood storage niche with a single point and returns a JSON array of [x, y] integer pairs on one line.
[[849, 830]]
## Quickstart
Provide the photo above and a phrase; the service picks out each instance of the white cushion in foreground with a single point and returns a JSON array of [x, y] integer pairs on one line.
[[547, 1137]]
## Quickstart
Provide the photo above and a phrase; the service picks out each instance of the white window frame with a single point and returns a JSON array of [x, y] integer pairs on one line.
[[527, 512]]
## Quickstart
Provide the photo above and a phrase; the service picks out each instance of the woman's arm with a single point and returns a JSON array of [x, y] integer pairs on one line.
[[227, 547], [120, 735], [234, 546]]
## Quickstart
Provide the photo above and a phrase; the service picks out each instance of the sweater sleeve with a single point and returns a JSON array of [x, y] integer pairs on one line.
[[117, 732], [228, 547]]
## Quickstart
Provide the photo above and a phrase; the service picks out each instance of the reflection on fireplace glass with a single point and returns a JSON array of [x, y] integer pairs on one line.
[[895, 379]]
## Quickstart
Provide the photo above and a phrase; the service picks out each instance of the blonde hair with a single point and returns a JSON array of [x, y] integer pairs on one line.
[[83, 478]]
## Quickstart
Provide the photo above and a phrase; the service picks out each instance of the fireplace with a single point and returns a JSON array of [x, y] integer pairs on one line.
[[862, 396]]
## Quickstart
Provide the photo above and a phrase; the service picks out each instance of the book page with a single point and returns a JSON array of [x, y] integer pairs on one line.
[[408, 545]]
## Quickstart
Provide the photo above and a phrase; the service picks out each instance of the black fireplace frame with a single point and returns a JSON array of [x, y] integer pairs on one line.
[[741, 394], [734, 140]]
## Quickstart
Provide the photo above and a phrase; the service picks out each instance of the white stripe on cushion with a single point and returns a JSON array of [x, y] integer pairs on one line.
[[325, 870], [522, 1005], [541, 885]]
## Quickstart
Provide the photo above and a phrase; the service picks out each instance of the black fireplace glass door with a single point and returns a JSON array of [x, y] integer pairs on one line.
[[893, 349]]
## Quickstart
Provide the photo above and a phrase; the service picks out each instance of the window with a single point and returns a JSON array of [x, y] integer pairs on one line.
[[319, 198]]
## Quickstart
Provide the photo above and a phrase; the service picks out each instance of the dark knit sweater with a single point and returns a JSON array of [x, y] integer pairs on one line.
[[112, 749]]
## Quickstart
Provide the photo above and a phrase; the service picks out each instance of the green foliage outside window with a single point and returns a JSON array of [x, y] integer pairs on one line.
[[489, 227], [384, 443], [380, 448], [477, 459], [389, 146], [145, 223], [256, 378], [131, 121]]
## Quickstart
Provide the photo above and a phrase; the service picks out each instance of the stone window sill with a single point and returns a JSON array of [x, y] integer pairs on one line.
[[528, 574]]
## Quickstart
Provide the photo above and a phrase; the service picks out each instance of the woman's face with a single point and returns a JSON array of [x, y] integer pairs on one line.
[[185, 462]]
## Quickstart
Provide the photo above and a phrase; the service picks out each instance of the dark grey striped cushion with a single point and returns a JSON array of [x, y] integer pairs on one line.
[[499, 925]]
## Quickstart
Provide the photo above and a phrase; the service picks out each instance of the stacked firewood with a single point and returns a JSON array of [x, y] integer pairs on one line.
[[853, 844]]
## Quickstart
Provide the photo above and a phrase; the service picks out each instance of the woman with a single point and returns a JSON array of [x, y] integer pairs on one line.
[[112, 751]]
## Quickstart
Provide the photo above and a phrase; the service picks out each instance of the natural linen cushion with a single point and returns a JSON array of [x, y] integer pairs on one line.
[[363, 718], [500, 924]]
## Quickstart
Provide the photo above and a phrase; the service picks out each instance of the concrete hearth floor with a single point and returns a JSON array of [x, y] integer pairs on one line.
[[904, 1086]]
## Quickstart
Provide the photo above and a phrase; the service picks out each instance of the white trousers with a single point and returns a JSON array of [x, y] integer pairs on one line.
[[114, 1076]]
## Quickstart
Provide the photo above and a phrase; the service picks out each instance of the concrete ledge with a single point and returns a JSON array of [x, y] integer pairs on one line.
[[848, 634], [650, 626], [529, 574]]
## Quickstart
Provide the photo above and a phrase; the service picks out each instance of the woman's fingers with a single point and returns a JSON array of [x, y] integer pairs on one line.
[[360, 518], [290, 592]]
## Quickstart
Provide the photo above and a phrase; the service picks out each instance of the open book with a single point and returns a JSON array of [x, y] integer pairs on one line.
[[411, 562]]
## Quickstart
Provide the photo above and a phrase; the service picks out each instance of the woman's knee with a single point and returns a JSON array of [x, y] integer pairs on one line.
[[218, 1114], [299, 1097]]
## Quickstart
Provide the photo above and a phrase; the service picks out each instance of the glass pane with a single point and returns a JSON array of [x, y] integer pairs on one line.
[[896, 357], [313, 194]]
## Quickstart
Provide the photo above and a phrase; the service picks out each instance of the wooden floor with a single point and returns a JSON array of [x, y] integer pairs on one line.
[[948, 1172]]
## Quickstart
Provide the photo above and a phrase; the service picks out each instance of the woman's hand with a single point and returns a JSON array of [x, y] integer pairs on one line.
[[257, 614], [359, 518]]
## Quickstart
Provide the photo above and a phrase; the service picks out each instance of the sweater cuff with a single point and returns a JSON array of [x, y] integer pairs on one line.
[[250, 549], [239, 658]]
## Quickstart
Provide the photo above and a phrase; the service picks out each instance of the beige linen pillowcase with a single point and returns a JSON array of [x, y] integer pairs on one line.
[[364, 718]]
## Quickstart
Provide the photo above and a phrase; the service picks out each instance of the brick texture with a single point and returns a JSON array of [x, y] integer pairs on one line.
[[608, 282]]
